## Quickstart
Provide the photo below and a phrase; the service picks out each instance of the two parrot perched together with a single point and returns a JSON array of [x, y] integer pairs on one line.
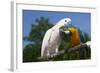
[[53, 37]]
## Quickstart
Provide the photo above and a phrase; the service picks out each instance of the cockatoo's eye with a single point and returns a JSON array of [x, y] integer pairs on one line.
[[65, 20]]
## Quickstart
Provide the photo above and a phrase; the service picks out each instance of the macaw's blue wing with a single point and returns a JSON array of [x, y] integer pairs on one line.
[[81, 36]]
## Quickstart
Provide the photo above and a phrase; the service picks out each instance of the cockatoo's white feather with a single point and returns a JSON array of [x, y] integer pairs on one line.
[[52, 39]]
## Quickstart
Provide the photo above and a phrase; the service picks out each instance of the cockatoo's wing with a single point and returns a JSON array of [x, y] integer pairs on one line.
[[45, 41]]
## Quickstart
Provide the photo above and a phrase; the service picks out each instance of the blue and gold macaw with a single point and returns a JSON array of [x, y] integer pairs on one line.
[[74, 37]]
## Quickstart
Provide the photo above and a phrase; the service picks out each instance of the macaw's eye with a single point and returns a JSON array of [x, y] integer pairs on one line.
[[65, 20]]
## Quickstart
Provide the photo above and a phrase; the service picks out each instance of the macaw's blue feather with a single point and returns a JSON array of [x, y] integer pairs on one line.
[[81, 36]]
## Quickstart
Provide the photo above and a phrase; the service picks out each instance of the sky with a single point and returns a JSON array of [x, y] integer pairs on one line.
[[79, 19]]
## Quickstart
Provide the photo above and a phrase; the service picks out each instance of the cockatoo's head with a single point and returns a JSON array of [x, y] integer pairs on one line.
[[65, 33], [66, 21], [61, 23]]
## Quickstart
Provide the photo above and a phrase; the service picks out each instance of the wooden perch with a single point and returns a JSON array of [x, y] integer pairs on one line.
[[76, 48]]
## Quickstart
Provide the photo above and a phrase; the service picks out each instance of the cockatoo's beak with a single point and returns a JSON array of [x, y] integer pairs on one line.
[[70, 22], [67, 24]]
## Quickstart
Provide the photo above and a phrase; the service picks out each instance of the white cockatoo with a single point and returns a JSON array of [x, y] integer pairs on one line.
[[52, 39]]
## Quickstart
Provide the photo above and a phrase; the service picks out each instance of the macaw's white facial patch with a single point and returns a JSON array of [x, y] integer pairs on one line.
[[66, 32]]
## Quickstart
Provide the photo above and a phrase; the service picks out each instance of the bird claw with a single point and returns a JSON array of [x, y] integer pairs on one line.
[[53, 55]]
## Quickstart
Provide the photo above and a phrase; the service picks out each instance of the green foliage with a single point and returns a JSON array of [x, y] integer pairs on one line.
[[38, 29], [86, 37], [30, 53]]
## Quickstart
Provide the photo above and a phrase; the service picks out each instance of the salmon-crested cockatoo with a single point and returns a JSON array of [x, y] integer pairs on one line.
[[52, 39]]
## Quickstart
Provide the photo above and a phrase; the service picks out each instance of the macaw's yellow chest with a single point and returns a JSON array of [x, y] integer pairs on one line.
[[74, 38]]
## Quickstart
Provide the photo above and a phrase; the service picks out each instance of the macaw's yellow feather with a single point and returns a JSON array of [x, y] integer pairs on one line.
[[74, 38]]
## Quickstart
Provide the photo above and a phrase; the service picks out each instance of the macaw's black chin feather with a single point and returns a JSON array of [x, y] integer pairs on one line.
[[65, 34]]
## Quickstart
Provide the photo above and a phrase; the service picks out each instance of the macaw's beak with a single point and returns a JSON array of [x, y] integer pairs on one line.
[[65, 34]]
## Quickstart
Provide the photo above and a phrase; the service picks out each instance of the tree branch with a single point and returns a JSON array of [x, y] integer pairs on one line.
[[76, 48]]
